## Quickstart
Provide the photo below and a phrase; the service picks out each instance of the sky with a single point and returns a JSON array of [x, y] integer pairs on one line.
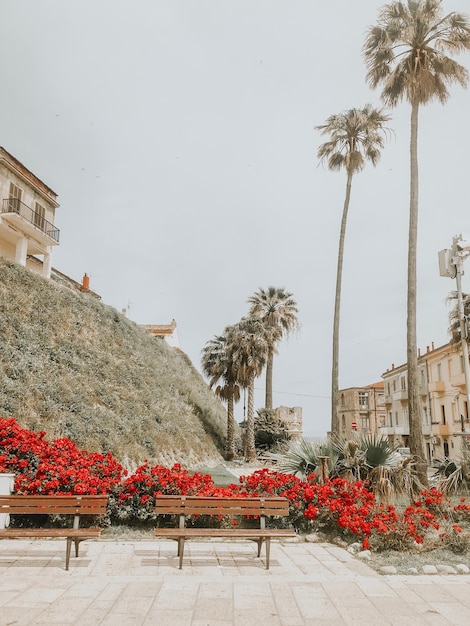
[[180, 138]]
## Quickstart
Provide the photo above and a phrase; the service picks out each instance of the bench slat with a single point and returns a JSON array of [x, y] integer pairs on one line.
[[49, 532], [225, 532], [46, 505]]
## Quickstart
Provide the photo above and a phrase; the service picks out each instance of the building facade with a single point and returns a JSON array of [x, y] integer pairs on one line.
[[27, 214], [361, 410], [443, 402]]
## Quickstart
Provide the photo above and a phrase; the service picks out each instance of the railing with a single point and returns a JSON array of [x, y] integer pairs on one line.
[[13, 205]]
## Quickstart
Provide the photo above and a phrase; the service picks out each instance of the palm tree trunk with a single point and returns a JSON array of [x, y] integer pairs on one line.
[[230, 443], [269, 380], [336, 317], [416, 443], [250, 421]]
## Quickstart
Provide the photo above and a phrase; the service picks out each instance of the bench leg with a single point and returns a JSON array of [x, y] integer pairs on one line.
[[268, 549], [181, 550], [67, 552], [77, 543], [260, 545]]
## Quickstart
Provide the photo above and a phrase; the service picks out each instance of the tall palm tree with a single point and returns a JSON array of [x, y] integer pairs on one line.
[[406, 54], [356, 136], [217, 365], [277, 309], [251, 341]]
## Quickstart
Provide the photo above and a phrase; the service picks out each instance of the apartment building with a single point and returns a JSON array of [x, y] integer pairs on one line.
[[27, 214], [361, 410], [443, 402]]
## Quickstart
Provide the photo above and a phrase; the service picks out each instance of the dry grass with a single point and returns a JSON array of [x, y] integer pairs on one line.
[[77, 368]]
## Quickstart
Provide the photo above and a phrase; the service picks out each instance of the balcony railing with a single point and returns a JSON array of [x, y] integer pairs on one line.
[[13, 205]]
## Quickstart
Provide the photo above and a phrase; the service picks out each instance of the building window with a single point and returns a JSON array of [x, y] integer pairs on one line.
[[403, 383], [426, 416], [396, 418], [394, 385], [342, 399], [15, 198], [443, 414], [423, 378], [449, 368], [380, 399], [363, 400], [388, 388], [39, 216], [439, 372], [365, 424], [390, 418]]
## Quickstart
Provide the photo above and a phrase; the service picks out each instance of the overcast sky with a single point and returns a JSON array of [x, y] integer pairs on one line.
[[179, 137]]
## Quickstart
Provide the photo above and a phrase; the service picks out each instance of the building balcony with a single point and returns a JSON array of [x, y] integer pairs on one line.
[[386, 430], [443, 430], [458, 380], [388, 399], [427, 430], [29, 221], [402, 430], [401, 394], [438, 386], [423, 389]]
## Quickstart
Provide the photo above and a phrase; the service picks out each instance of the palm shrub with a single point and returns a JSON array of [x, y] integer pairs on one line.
[[302, 457], [270, 430], [451, 476], [366, 458]]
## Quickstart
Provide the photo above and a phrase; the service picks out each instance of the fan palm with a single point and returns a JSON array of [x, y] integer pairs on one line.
[[302, 457], [277, 309], [251, 340], [406, 54], [356, 136], [217, 365]]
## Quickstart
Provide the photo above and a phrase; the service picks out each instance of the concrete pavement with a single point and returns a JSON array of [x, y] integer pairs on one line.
[[138, 583]]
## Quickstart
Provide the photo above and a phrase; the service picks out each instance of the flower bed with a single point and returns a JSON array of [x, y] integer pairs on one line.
[[336, 507]]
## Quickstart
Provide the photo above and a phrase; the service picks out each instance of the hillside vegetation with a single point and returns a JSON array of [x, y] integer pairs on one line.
[[76, 368]]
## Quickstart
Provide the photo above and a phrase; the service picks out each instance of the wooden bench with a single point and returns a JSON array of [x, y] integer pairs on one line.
[[195, 505], [53, 505]]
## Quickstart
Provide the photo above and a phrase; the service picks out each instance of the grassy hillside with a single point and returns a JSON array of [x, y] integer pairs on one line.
[[77, 368]]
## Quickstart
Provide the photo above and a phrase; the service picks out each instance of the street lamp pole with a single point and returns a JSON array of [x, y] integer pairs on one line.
[[458, 259], [451, 265]]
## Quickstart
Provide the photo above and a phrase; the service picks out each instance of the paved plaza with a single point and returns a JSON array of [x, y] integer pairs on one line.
[[222, 583]]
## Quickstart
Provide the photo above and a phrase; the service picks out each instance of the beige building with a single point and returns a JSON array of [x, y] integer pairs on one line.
[[361, 410], [27, 214], [443, 401]]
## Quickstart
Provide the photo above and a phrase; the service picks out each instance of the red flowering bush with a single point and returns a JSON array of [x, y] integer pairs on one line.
[[135, 497], [331, 506], [335, 506], [57, 467]]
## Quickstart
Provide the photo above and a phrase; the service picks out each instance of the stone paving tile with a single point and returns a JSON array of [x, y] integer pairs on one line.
[[139, 583]]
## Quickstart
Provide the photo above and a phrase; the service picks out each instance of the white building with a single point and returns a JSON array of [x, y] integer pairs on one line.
[[27, 213]]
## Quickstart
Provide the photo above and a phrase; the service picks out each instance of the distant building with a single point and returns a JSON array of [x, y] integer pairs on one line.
[[292, 419], [167, 331], [27, 214], [361, 410]]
